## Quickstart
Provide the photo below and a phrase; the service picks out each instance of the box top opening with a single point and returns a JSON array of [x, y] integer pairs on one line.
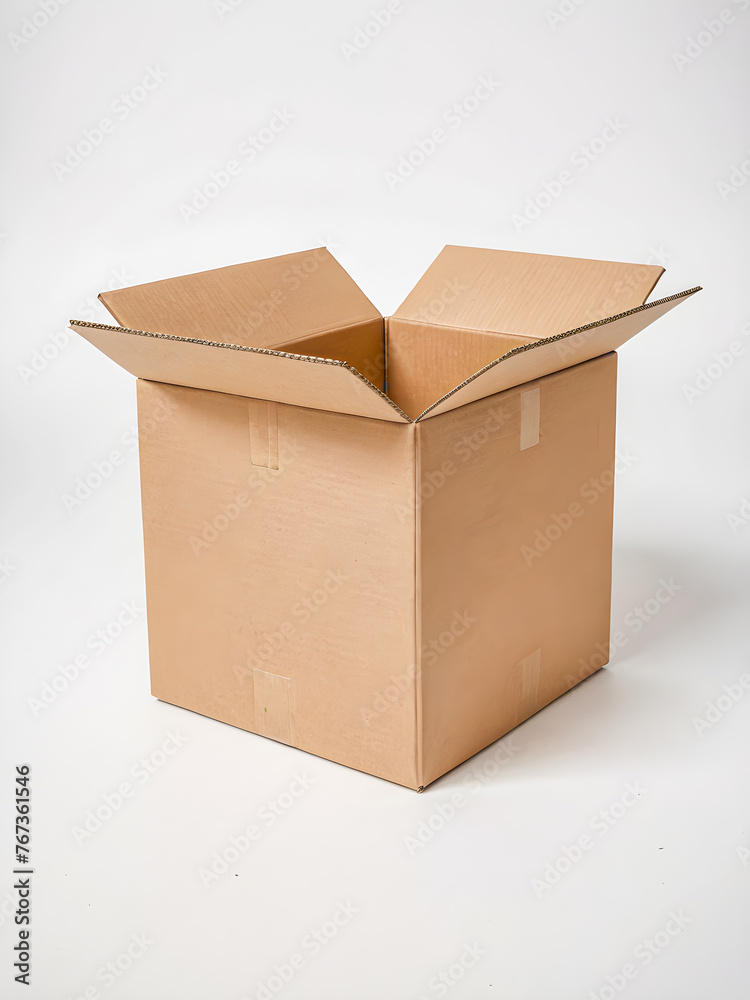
[[478, 322]]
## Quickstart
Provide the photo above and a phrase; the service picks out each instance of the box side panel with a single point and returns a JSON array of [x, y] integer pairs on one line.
[[280, 564], [515, 554], [362, 347]]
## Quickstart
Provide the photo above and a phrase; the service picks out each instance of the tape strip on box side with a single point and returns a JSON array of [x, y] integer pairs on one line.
[[273, 717]]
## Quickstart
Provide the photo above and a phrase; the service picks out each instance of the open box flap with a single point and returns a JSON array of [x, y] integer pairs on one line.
[[535, 295], [532, 361], [266, 303], [320, 383]]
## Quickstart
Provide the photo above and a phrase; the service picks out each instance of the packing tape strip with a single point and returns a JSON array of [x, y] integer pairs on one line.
[[530, 401], [529, 669], [273, 716], [264, 433]]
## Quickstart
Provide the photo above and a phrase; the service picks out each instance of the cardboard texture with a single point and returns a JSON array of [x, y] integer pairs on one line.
[[384, 541]]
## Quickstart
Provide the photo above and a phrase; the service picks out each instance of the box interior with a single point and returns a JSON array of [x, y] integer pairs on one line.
[[426, 361]]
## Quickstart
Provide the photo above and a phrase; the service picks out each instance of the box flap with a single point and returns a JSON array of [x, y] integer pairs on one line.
[[265, 303], [320, 383], [531, 361], [534, 295]]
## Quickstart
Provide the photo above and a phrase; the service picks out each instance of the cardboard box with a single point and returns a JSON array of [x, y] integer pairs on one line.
[[383, 541]]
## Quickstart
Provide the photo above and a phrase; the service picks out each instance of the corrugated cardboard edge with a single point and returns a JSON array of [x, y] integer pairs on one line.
[[418, 726], [559, 336], [83, 324]]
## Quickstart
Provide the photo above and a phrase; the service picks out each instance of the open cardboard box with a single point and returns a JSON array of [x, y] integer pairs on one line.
[[383, 541]]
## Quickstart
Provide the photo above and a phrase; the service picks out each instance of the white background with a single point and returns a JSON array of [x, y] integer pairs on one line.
[[652, 194]]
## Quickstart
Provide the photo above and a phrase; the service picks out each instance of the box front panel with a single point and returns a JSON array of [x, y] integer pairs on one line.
[[280, 572], [516, 547]]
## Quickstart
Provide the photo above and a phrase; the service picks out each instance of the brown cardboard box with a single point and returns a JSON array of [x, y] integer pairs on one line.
[[386, 542]]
